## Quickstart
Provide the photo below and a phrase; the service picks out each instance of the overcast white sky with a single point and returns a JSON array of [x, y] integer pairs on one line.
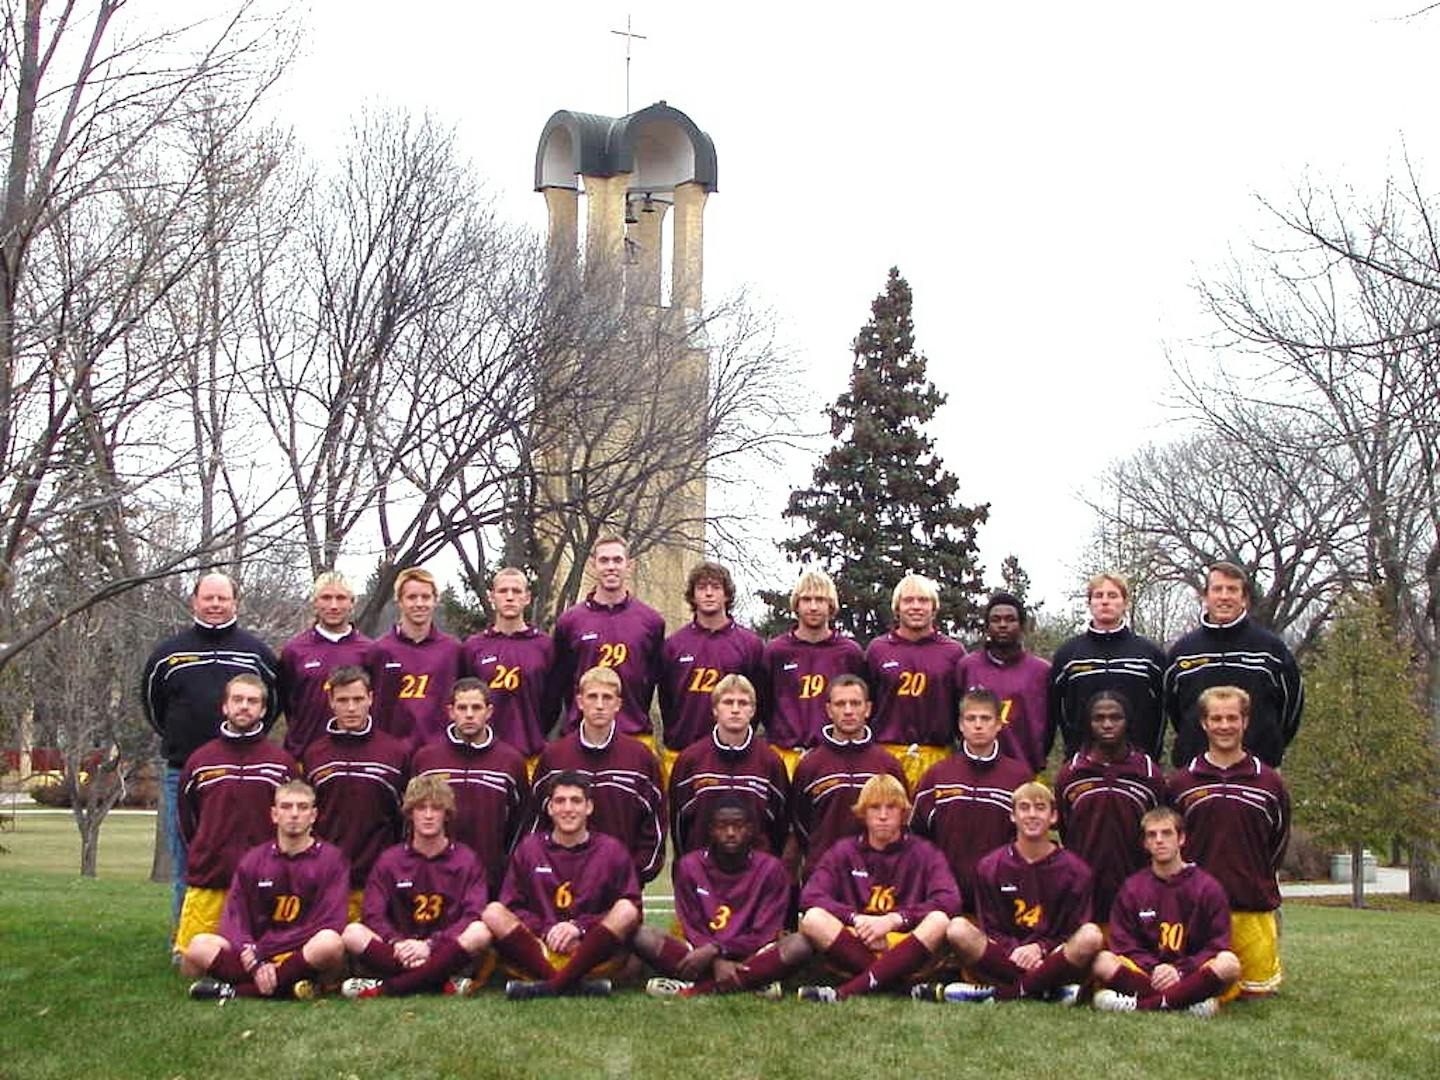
[[1050, 178]]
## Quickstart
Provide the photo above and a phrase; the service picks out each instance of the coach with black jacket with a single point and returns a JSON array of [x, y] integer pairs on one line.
[[184, 684], [1228, 649]]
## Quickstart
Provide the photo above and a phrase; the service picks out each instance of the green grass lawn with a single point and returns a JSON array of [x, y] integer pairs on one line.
[[85, 992]]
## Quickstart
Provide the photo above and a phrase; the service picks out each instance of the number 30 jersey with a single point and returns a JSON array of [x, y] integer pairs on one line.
[[1182, 920], [410, 895], [548, 883]]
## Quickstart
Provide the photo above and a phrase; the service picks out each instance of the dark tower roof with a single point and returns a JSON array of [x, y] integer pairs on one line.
[[661, 147]]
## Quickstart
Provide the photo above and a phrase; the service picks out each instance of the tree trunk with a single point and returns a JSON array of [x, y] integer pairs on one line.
[[1357, 875], [1424, 856], [89, 844]]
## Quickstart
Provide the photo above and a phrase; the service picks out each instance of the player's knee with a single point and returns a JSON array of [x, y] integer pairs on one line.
[[498, 919], [965, 936], [1226, 966], [820, 927], [1106, 965], [1085, 943], [356, 937], [475, 938], [622, 918], [931, 929], [325, 949]]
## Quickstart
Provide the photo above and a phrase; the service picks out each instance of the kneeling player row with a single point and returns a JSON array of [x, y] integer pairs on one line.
[[881, 905]]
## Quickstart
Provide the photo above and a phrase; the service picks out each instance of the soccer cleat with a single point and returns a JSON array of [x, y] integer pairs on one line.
[[971, 993], [210, 988], [660, 986], [1114, 1001], [360, 988], [825, 994], [458, 987], [1064, 994], [771, 992], [521, 990], [591, 988], [928, 992], [305, 990], [1204, 1009]]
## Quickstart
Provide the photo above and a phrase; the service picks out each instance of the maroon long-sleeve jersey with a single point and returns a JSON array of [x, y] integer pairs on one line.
[[737, 911], [1101, 803], [412, 895], [826, 784], [693, 660], [909, 877], [303, 681], [277, 902], [915, 689], [963, 805], [797, 678], [548, 883], [226, 790], [412, 681], [359, 780], [1020, 902], [492, 795], [626, 637], [752, 771], [1182, 920], [519, 671], [1237, 826]]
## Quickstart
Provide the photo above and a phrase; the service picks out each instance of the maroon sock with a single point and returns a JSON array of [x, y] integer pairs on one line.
[[850, 952], [908, 956], [672, 953], [1055, 970], [595, 947], [381, 957], [522, 949], [227, 967], [1129, 981], [294, 968], [1197, 986], [446, 958], [765, 967], [996, 967]]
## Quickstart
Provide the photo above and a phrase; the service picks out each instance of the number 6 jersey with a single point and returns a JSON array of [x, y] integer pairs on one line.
[[548, 883]]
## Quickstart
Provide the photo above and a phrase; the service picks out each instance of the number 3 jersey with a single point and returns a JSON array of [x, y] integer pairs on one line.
[[909, 878], [1020, 902], [279, 901], [1182, 920], [737, 911], [548, 883], [412, 895]]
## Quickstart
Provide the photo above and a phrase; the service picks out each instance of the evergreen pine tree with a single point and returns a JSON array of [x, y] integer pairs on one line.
[[881, 503]]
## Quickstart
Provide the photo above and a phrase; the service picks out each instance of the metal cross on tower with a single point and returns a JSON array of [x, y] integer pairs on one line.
[[629, 36]]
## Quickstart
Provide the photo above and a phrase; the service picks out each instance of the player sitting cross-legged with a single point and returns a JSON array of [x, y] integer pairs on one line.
[[1169, 931], [570, 901], [1034, 938], [730, 900], [877, 904], [421, 923], [280, 929]]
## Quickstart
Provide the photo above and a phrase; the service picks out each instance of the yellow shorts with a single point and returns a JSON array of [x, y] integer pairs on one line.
[[558, 960], [530, 763], [915, 758], [791, 758], [1255, 939], [352, 908], [200, 914]]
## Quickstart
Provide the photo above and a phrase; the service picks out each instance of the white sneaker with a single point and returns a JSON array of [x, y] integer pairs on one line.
[[358, 988], [973, 993], [1065, 994], [1204, 1009], [662, 986], [1114, 1001]]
